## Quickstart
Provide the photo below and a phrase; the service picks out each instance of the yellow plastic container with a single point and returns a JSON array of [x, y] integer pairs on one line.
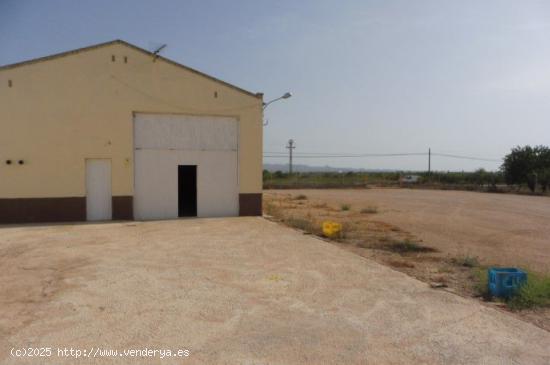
[[332, 229]]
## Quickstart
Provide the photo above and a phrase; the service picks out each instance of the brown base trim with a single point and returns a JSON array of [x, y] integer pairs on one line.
[[36, 210], [250, 204], [123, 208], [43, 210]]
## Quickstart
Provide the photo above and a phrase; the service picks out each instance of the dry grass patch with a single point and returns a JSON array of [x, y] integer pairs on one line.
[[272, 209], [320, 205], [369, 210], [466, 261], [305, 225], [400, 264]]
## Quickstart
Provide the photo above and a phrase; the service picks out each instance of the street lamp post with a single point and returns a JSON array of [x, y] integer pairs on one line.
[[266, 104]]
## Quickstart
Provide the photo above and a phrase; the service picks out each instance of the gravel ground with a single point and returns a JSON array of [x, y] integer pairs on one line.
[[235, 291], [503, 229]]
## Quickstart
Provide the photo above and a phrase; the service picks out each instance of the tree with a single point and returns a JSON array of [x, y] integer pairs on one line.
[[528, 165], [279, 174], [481, 177], [543, 176]]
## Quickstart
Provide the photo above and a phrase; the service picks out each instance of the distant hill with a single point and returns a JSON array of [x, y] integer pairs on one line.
[[272, 167]]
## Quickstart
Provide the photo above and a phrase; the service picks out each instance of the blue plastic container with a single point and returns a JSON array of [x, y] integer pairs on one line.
[[504, 282]]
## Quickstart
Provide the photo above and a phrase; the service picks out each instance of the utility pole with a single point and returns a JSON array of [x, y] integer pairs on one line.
[[429, 160], [290, 147]]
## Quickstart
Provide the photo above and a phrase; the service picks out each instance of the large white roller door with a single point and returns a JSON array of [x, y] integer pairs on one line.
[[162, 142]]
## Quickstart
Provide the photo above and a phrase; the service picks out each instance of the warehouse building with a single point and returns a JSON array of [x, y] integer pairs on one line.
[[113, 131]]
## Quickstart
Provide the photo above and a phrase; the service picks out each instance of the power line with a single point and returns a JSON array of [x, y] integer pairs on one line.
[[343, 156], [328, 155], [466, 157], [276, 154], [348, 153]]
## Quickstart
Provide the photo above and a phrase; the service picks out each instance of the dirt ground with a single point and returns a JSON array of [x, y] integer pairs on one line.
[[457, 233], [235, 291], [501, 229]]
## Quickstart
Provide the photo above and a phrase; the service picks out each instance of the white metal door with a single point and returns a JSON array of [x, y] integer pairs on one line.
[[162, 142], [98, 190]]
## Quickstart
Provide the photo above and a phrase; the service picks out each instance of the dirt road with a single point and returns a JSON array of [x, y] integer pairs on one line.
[[234, 291], [501, 229]]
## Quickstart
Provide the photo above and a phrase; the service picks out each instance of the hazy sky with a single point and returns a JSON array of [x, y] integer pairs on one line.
[[462, 77]]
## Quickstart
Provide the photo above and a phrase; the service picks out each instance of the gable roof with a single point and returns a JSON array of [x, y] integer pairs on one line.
[[118, 41]]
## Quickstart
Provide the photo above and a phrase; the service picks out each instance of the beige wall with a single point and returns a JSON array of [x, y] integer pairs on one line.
[[61, 111]]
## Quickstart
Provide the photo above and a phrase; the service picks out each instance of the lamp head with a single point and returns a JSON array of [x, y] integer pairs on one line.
[[286, 95]]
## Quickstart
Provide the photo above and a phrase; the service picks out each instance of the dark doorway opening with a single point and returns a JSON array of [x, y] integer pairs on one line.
[[187, 191]]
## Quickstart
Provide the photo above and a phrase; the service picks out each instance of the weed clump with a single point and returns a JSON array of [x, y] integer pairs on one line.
[[466, 261], [345, 207], [482, 283], [272, 210], [405, 246], [369, 210], [535, 293], [303, 224], [300, 197]]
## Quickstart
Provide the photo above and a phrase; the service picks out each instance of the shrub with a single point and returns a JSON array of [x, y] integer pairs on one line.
[[482, 283], [345, 207], [300, 197], [534, 293]]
